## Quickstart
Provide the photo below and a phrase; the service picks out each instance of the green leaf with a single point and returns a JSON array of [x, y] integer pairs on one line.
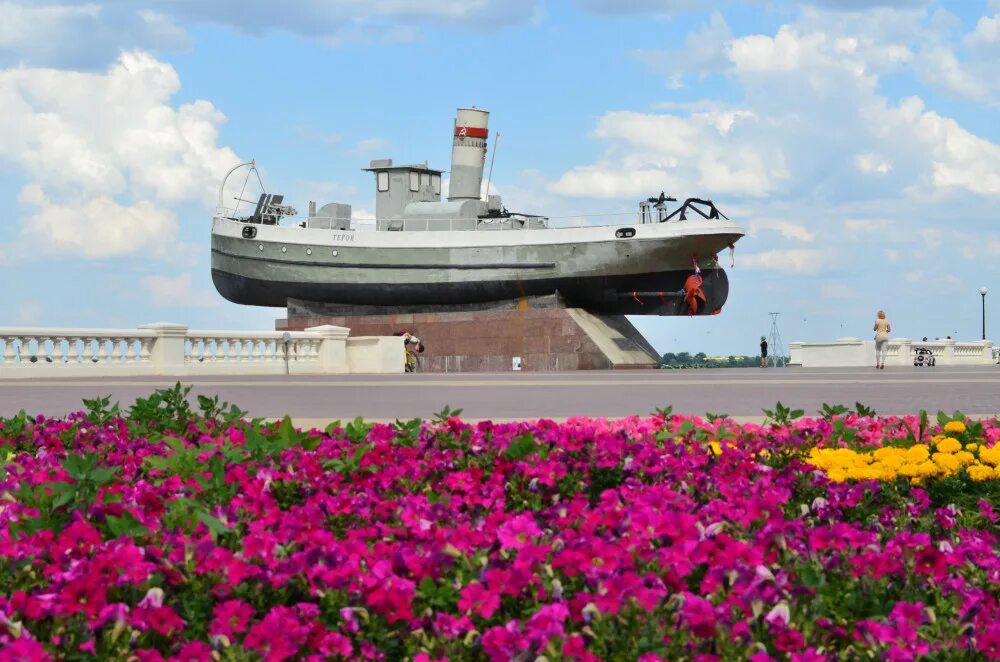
[[103, 475], [357, 430], [213, 523], [446, 413], [664, 412], [520, 447], [311, 443], [126, 525], [66, 494], [79, 466], [157, 462]]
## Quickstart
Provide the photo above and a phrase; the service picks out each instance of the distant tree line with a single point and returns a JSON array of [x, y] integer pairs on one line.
[[702, 360]]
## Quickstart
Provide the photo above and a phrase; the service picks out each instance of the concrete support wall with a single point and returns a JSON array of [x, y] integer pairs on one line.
[[538, 334]]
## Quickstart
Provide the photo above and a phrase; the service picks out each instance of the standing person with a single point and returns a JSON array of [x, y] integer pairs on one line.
[[882, 329], [763, 352], [411, 347]]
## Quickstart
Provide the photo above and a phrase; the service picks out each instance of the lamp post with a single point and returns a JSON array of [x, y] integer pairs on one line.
[[983, 291]]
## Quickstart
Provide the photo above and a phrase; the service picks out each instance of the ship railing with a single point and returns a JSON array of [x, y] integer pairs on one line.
[[483, 224], [173, 349], [459, 224]]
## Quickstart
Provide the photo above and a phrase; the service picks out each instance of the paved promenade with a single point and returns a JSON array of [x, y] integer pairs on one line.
[[738, 392]]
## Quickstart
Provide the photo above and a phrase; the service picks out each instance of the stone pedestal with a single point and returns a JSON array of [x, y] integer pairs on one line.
[[540, 331]]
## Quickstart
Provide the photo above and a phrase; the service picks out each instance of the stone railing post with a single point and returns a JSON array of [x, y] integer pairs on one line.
[[947, 353], [986, 353], [332, 348], [905, 356], [167, 350]]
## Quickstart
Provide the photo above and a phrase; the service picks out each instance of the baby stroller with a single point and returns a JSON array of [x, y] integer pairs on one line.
[[923, 357]]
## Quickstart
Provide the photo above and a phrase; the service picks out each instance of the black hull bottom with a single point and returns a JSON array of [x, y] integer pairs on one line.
[[643, 294]]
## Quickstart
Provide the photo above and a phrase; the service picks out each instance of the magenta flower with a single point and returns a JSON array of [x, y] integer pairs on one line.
[[475, 598], [699, 615], [546, 623], [231, 617], [25, 649], [518, 532]]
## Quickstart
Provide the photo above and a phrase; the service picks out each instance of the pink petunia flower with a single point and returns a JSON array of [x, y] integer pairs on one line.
[[477, 599], [518, 532], [231, 617]]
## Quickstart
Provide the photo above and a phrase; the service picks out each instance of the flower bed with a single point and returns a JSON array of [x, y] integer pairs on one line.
[[168, 534]]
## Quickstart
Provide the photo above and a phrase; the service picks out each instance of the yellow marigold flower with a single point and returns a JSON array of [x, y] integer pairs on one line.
[[908, 470], [954, 426], [938, 437], [965, 458], [979, 473], [946, 461], [883, 471], [990, 455], [887, 451], [917, 453], [894, 462], [837, 475], [927, 469], [949, 445], [971, 447]]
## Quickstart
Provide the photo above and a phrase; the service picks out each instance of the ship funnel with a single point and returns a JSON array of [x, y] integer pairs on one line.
[[468, 154]]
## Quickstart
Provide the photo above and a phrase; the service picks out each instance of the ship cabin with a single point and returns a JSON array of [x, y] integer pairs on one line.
[[408, 197], [396, 186]]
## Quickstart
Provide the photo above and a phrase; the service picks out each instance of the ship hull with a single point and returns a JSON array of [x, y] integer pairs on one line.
[[592, 267]]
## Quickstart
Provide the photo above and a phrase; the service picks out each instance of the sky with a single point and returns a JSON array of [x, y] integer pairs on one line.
[[857, 142]]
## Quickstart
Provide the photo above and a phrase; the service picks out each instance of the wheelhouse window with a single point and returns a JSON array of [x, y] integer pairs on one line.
[[425, 180], [414, 181], [383, 181], [436, 183]]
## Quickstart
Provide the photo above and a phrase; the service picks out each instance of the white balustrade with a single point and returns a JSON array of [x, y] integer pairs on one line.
[[171, 349], [852, 352], [78, 348]]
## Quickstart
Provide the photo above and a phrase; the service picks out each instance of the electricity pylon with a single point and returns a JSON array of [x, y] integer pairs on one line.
[[775, 346]]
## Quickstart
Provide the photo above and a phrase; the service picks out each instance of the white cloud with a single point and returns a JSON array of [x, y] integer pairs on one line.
[[642, 6], [812, 124], [796, 260], [704, 52], [986, 34], [938, 66], [82, 36], [106, 156], [677, 154], [863, 5], [98, 228], [787, 229], [88, 36], [29, 312], [872, 163], [178, 291], [866, 226], [370, 145], [837, 291]]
